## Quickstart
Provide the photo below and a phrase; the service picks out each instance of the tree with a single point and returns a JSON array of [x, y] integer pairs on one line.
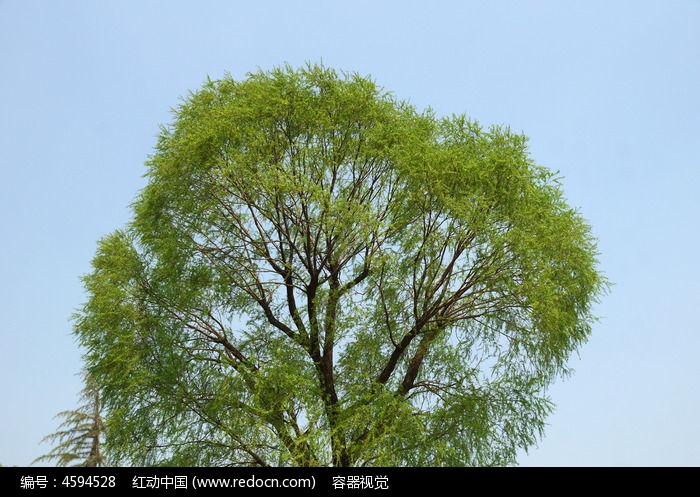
[[318, 274], [79, 437]]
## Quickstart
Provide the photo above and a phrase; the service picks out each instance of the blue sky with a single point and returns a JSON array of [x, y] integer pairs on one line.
[[608, 92]]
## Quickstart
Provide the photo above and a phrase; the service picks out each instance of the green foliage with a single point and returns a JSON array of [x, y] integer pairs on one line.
[[79, 438], [318, 274]]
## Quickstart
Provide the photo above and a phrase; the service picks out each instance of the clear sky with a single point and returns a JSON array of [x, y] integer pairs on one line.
[[607, 91]]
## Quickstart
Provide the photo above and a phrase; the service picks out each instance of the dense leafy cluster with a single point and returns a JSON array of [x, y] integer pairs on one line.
[[318, 274]]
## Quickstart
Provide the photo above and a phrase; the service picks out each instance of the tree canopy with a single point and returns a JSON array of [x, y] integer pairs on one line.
[[316, 273], [79, 438]]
